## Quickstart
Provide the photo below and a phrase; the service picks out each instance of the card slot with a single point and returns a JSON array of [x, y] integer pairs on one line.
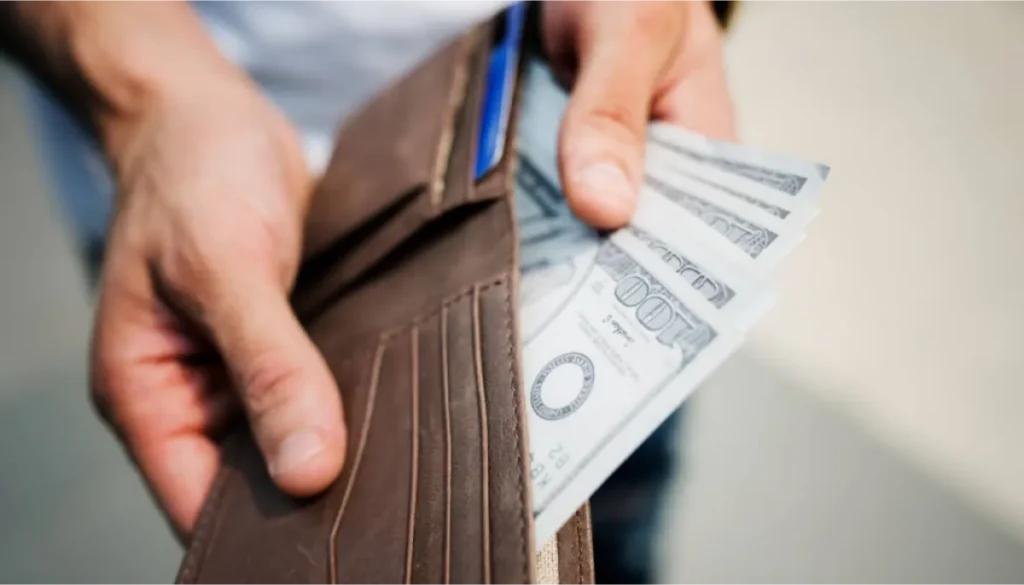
[[511, 508], [370, 541], [424, 405], [460, 178], [468, 465], [360, 402], [429, 539]]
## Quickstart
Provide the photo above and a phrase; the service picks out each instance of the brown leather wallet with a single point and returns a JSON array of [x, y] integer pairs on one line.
[[409, 289]]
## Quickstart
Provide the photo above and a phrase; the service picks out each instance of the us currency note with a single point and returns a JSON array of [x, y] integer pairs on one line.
[[551, 237], [609, 352], [739, 298], [754, 245], [617, 330], [785, 174], [663, 177], [739, 187]]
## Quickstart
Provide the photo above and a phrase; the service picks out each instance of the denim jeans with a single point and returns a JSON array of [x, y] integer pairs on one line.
[[626, 511]]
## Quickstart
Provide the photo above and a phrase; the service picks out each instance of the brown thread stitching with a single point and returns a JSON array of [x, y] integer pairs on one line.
[[367, 417], [524, 521], [387, 335], [579, 547], [217, 491], [414, 343], [482, 402], [448, 447]]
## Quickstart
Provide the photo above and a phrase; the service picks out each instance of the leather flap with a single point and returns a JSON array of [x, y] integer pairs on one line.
[[359, 216], [397, 146]]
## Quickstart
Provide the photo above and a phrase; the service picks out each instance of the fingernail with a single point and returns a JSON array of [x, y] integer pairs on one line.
[[607, 182], [295, 450]]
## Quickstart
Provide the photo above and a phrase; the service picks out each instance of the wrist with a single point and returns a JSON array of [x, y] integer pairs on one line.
[[116, 62]]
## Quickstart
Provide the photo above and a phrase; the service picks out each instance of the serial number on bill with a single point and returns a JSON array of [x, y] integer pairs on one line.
[[543, 464]]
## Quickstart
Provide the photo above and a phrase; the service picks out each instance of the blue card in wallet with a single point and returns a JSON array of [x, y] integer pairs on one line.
[[497, 100]]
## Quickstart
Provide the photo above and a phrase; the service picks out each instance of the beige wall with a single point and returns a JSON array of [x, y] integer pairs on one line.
[[904, 306]]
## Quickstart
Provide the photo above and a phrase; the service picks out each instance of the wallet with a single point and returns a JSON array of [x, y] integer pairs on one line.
[[408, 287]]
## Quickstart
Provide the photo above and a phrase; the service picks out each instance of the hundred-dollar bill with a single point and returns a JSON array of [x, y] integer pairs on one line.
[[795, 209], [664, 178], [609, 352], [739, 298], [786, 174], [551, 237], [753, 245], [617, 330]]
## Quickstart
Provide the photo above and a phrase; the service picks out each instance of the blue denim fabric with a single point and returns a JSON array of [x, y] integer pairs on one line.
[[626, 511]]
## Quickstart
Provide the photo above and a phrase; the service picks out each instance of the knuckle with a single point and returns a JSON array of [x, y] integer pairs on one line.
[[654, 22], [616, 120], [269, 381]]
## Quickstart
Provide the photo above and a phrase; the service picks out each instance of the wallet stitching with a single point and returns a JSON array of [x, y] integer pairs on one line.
[[367, 418], [481, 286], [203, 527], [448, 447], [579, 548], [414, 343], [524, 523], [484, 448]]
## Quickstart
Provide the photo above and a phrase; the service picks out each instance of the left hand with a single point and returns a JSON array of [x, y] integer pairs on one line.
[[628, 62]]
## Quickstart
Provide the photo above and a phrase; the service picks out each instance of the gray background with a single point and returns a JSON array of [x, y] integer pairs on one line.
[[868, 430]]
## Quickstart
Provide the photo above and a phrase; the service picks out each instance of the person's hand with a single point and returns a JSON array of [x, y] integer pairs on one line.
[[628, 62], [205, 243]]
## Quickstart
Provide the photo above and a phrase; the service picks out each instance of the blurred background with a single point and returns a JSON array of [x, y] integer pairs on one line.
[[869, 430]]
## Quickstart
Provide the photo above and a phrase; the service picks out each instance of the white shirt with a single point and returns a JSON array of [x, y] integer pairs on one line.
[[318, 61]]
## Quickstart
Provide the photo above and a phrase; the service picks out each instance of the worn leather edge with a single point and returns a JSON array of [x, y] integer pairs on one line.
[[456, 98], [205, 524], [575, 549], [507, 164]]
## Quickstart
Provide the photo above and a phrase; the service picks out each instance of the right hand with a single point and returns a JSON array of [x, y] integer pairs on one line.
[[193, 325]]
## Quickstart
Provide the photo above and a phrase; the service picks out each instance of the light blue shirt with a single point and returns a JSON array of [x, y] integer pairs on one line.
[[318, 61]]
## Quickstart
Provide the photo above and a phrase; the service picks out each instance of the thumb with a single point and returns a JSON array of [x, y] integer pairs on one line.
[[287, 390], [602, 138]]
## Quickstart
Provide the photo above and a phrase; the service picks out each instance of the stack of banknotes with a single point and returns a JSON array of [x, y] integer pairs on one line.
[[619, 329]]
